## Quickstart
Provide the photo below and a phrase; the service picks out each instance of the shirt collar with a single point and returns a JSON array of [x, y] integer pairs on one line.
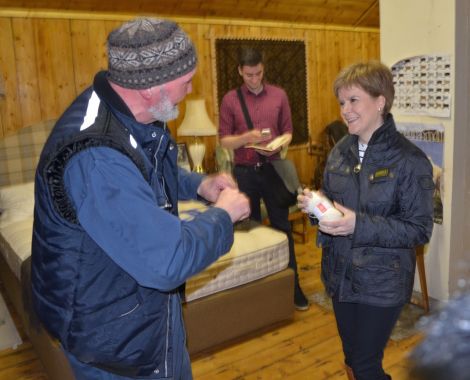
[[246, 91]]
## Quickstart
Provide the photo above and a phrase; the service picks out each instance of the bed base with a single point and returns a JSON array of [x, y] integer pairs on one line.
[[211, 322]]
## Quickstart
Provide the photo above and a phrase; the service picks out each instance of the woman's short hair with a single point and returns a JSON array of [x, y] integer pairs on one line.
[[373, 77]]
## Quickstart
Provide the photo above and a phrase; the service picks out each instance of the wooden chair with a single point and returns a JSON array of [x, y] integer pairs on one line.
[[424, 301], [294, 215]]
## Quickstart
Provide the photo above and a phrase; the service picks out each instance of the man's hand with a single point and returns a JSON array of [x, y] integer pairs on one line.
[[250, 137], [212, 185], [255, 136], [267, 153], [343, 226], [235, 203]]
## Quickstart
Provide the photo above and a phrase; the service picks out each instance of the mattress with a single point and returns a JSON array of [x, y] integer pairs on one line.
[[16, 224], [15, 243], [256, 253]]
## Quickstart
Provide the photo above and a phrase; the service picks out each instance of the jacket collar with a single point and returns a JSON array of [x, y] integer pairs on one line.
[[380, 140], [385, 133], [142, 132], [106, 93]]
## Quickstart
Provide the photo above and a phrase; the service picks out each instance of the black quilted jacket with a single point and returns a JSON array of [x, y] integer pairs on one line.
[[391, 193]]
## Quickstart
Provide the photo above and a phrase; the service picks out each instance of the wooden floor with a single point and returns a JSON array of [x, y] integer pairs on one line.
[[306, 348]]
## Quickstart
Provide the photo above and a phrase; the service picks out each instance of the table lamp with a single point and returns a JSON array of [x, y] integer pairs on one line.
[[196, 123]]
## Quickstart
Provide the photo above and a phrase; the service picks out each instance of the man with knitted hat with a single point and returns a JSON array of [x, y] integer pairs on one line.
[[109, 253]]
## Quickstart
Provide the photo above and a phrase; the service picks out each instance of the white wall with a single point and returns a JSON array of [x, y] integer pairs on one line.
[[416, 27]]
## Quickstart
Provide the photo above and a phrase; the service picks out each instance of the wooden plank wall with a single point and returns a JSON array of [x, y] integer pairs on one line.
[[47, 58]]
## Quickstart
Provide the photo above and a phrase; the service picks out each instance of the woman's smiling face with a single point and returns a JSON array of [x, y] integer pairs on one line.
[[360, 111]]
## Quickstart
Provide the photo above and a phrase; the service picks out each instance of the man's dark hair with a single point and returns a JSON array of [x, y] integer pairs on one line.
[[249, 57]]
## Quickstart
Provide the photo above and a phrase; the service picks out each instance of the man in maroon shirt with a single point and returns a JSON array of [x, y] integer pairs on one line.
[[269, 110]]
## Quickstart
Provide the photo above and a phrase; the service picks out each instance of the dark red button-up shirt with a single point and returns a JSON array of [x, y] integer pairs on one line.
[[269, 109]]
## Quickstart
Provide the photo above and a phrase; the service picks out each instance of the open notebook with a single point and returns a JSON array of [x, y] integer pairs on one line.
[[271, 146]]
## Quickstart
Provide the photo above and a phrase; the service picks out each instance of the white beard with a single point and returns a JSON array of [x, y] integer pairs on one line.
[[164, 110]]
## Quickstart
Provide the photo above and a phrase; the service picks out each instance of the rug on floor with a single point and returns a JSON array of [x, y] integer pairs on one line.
[[405, 327], [9, 337]]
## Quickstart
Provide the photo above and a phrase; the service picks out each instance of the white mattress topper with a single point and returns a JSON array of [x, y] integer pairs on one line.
[[255, 254]]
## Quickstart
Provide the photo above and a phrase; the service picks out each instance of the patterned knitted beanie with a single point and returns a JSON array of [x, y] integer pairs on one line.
[[148, 52]]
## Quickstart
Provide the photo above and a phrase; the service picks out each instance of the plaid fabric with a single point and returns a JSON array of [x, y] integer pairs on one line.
[[19, 153]]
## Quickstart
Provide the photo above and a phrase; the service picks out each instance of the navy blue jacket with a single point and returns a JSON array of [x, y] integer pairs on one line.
[[109, 251], [391, 193]]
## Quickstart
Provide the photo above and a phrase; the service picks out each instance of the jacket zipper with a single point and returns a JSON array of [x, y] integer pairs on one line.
[[161, 181], [167, 343]]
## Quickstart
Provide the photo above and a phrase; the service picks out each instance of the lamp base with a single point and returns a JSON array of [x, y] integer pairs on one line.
[[198, 169], [197, 151]]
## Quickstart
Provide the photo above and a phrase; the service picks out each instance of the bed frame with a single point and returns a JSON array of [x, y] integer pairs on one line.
[[211, 322]]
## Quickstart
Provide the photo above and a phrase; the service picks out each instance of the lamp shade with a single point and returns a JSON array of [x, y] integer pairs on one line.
[[196, 121]]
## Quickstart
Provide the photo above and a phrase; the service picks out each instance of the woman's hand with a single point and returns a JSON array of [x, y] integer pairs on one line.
[[303, 200], [342, 227]]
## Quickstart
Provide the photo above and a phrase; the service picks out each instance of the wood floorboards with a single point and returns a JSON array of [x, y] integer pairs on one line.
[[307, 347]]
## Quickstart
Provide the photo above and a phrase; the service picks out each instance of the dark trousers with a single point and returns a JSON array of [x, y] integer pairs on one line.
[[364, 332], [252, 181]]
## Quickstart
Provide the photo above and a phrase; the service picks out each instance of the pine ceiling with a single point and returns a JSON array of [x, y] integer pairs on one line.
[[359, 13]]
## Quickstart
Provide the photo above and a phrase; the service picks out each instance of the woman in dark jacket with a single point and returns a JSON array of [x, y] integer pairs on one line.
[[382, 184]]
